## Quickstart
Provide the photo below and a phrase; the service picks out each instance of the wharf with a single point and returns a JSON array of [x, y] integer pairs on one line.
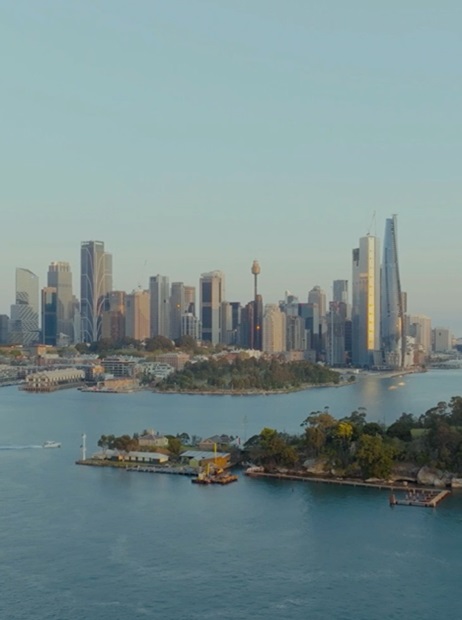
[[154, 469], [423, 498], [427, 498]]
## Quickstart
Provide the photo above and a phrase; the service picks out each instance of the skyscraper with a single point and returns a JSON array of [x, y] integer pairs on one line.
[[113, 318], [60, 278], [366, 303], [212, 294], [392, 314], [159, 289], [49, 315], [24, 323], [95, 284], [177, 308], [137, 315], [274, 329]]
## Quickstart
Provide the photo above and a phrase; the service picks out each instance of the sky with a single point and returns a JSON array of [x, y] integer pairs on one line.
[[193, 135]]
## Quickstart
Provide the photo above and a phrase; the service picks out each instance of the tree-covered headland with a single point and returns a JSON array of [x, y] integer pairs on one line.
[[251, 374], [352, 447]]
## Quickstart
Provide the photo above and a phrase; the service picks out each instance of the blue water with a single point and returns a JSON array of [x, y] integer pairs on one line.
[[79, 542]]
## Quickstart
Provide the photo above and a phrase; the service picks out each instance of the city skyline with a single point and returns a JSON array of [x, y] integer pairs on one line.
[[179, 127]]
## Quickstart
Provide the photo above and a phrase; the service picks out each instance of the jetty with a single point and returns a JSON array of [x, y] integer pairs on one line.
[[423, 497]]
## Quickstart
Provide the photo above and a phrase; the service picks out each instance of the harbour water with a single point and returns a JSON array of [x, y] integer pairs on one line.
[[78, 542]]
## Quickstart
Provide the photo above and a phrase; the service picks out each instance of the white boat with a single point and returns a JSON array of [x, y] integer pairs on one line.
[[51, 444]]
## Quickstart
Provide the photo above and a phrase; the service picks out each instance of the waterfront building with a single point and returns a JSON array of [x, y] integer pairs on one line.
[[419, 327], [24, 321], [274, 329], [49, 315], [60, 277], [191, 326], [392, 314], [211, 296], [120, 366], [366, 303], [113, 318], [159, 289], [137, 315], [177, 308], [441, 340], [95, 284], [173, 359]]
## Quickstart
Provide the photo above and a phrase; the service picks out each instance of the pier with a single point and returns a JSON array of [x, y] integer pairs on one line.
[[422, 497]]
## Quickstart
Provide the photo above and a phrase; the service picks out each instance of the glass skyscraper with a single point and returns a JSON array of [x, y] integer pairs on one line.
[[95, 284], [391, 300]]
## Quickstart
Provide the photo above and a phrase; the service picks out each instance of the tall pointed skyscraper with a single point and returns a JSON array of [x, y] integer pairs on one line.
[[392, 314], [95, 284]]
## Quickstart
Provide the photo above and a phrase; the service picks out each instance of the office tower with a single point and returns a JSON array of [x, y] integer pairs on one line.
[[366, 303], [4, 328], [310, 314], [191, 326], [336, 321], [318, 296], [137, 315], [159, 289], [211, 295], [246, 328], [236, 311], [258, 308], [49, 315], [190, 299], [392, 315], [113, 318], [95, 284], [226, 323], [295, 332], [341, 295], [24, 322], [60, 277], [274, 329], [177, 308]]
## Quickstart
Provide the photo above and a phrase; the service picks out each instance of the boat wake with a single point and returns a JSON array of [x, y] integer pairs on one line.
[[29, 447]]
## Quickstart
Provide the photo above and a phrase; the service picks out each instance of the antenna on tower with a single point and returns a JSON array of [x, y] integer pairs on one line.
[[372, 224]]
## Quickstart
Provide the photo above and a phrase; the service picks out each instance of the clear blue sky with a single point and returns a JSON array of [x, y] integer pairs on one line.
[[193, 135]]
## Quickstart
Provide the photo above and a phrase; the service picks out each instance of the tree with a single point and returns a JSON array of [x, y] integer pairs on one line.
[[174, 445], [374, 457], [159, 343]]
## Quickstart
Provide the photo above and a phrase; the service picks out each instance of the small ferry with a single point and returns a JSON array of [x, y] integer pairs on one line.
[[51, 444]]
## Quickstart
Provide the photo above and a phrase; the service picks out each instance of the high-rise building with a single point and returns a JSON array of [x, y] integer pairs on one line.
[[442, 340], [366, 303], [392, 314], [49, 315], [226, 323], [137, 315], [113, 319], [24, 321], [274, 329], [4, 327], [190, 298], [60, 277], [177, 308], [336, 319], [212, 294], [420, 328], [159, 289], [318, 296], [295, 332], [341, 295], [95, 284], [191, 326]]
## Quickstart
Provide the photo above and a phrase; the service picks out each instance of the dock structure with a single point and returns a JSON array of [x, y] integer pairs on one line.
[[423, 498]]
